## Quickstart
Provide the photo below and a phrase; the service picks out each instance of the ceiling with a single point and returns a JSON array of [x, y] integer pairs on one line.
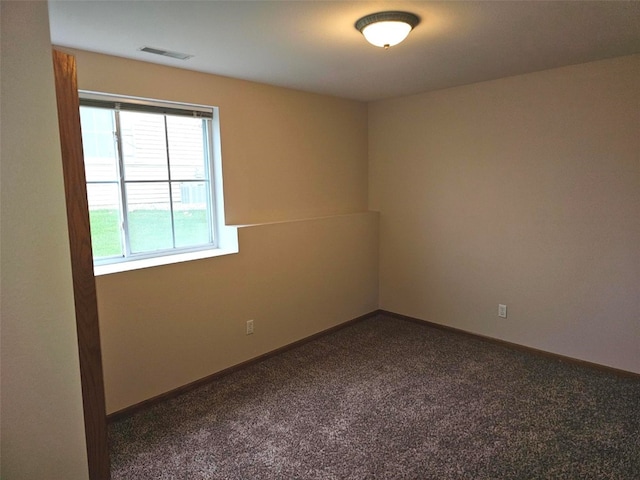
[[313, 46]]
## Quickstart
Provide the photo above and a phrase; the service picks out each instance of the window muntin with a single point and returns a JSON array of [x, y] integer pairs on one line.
[[149, 178]]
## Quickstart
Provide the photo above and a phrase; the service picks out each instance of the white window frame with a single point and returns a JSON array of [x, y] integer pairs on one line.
[[225, 239]]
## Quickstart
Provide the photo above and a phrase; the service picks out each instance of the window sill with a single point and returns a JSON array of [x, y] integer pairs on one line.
[[127, 266]]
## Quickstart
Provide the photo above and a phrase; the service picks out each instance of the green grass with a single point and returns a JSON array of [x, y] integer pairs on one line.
[[149, 230], [105, 233]]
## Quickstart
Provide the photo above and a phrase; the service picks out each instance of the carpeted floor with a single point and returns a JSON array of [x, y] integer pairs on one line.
[[390, 399]]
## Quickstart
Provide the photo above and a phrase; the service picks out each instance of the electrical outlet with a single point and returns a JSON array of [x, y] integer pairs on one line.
[[249, 327], [502, 310]]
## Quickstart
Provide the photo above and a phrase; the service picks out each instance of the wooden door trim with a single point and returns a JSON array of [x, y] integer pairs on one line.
[[84, 285]]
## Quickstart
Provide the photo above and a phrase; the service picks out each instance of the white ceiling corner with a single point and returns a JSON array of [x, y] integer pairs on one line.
[[313, 46]]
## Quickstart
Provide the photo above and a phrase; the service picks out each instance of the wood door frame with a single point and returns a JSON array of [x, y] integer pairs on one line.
[[84, 284]]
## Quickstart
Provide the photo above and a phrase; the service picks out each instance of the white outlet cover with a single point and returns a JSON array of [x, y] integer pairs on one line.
[[502, 310]]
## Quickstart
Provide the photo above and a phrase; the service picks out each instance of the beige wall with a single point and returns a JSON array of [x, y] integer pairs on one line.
[[523, 191], [287, 156], [42, 421], [167, 326]]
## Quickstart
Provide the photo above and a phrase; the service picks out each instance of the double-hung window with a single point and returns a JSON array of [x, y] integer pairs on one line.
[[149, 172]]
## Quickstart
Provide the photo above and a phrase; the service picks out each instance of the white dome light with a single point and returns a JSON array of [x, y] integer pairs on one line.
[[386, 29]]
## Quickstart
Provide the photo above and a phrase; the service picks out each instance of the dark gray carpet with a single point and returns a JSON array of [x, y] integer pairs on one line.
[[390, 399]]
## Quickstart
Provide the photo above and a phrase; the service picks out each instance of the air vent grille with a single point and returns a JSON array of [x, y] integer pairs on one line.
[[166, 53]]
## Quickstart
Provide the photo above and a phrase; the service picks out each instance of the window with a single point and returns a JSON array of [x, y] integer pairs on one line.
[[150, 177]]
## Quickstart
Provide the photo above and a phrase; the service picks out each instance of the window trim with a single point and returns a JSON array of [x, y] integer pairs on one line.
[[160, 260], [225, 238]]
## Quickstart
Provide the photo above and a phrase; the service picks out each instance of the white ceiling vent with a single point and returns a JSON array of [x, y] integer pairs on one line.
[[166, 53]]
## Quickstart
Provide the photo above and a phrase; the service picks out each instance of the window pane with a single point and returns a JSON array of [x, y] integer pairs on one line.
[[148, 179], [186, 148], [104, 215], [99, 144], [190, 213], [149, 217], [144, 146]]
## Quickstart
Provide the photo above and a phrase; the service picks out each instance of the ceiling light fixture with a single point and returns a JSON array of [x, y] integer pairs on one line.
[[386, 29]]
